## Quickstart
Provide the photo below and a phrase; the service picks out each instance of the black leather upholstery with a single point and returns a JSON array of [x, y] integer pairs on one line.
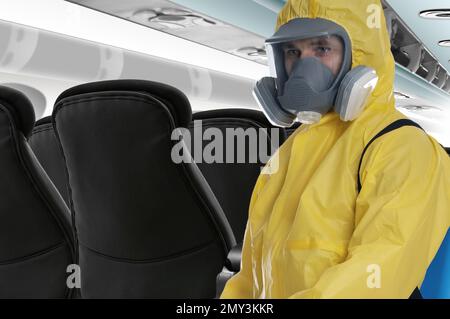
[[36, 240], [233, 183], [147, 227], [45, 146]]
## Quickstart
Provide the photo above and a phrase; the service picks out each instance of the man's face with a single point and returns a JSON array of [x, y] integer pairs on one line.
[[329, 50]]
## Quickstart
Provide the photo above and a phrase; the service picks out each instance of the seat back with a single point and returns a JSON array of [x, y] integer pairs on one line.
[[36, 240], [233, 183], [45, 146], [147, 227]]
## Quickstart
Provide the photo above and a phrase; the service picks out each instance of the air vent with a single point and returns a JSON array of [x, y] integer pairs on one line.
[[254, 53], [171, 18]]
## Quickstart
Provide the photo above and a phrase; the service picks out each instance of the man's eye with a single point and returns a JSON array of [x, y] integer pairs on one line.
[[293, 53], [322, 51]]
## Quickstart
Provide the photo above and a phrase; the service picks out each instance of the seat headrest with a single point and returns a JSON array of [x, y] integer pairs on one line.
[[236, 113], [43, 121], [20, 108], [175, 100]]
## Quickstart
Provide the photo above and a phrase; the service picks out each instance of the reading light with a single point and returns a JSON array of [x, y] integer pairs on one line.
[[436, 14], [419, 108], [401, 96], [444, 43]]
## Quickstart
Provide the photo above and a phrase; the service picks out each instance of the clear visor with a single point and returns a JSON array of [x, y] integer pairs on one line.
[[282, 56]]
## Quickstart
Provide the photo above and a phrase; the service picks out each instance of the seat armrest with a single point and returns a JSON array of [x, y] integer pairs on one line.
[[232, 266], [233, 262]]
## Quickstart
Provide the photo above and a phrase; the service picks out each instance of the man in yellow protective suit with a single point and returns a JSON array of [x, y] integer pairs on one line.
[[324, 225]]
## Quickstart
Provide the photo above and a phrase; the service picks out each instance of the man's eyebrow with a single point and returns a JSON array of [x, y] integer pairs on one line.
[[321, 41], [289, 46]]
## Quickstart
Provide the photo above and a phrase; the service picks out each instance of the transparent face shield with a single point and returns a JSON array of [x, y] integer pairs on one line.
[[317, 59], [282, 57], [308, 59]]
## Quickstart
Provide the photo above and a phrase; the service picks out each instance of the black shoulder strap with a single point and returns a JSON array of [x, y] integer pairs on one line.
[[391, 127]]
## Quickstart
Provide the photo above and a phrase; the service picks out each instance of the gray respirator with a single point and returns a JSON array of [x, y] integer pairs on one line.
[[312, 90]]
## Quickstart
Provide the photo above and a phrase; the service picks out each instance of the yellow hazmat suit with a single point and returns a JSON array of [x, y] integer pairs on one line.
[[310, 234]]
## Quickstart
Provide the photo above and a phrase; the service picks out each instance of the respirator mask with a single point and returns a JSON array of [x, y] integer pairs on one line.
[[310, 63]]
